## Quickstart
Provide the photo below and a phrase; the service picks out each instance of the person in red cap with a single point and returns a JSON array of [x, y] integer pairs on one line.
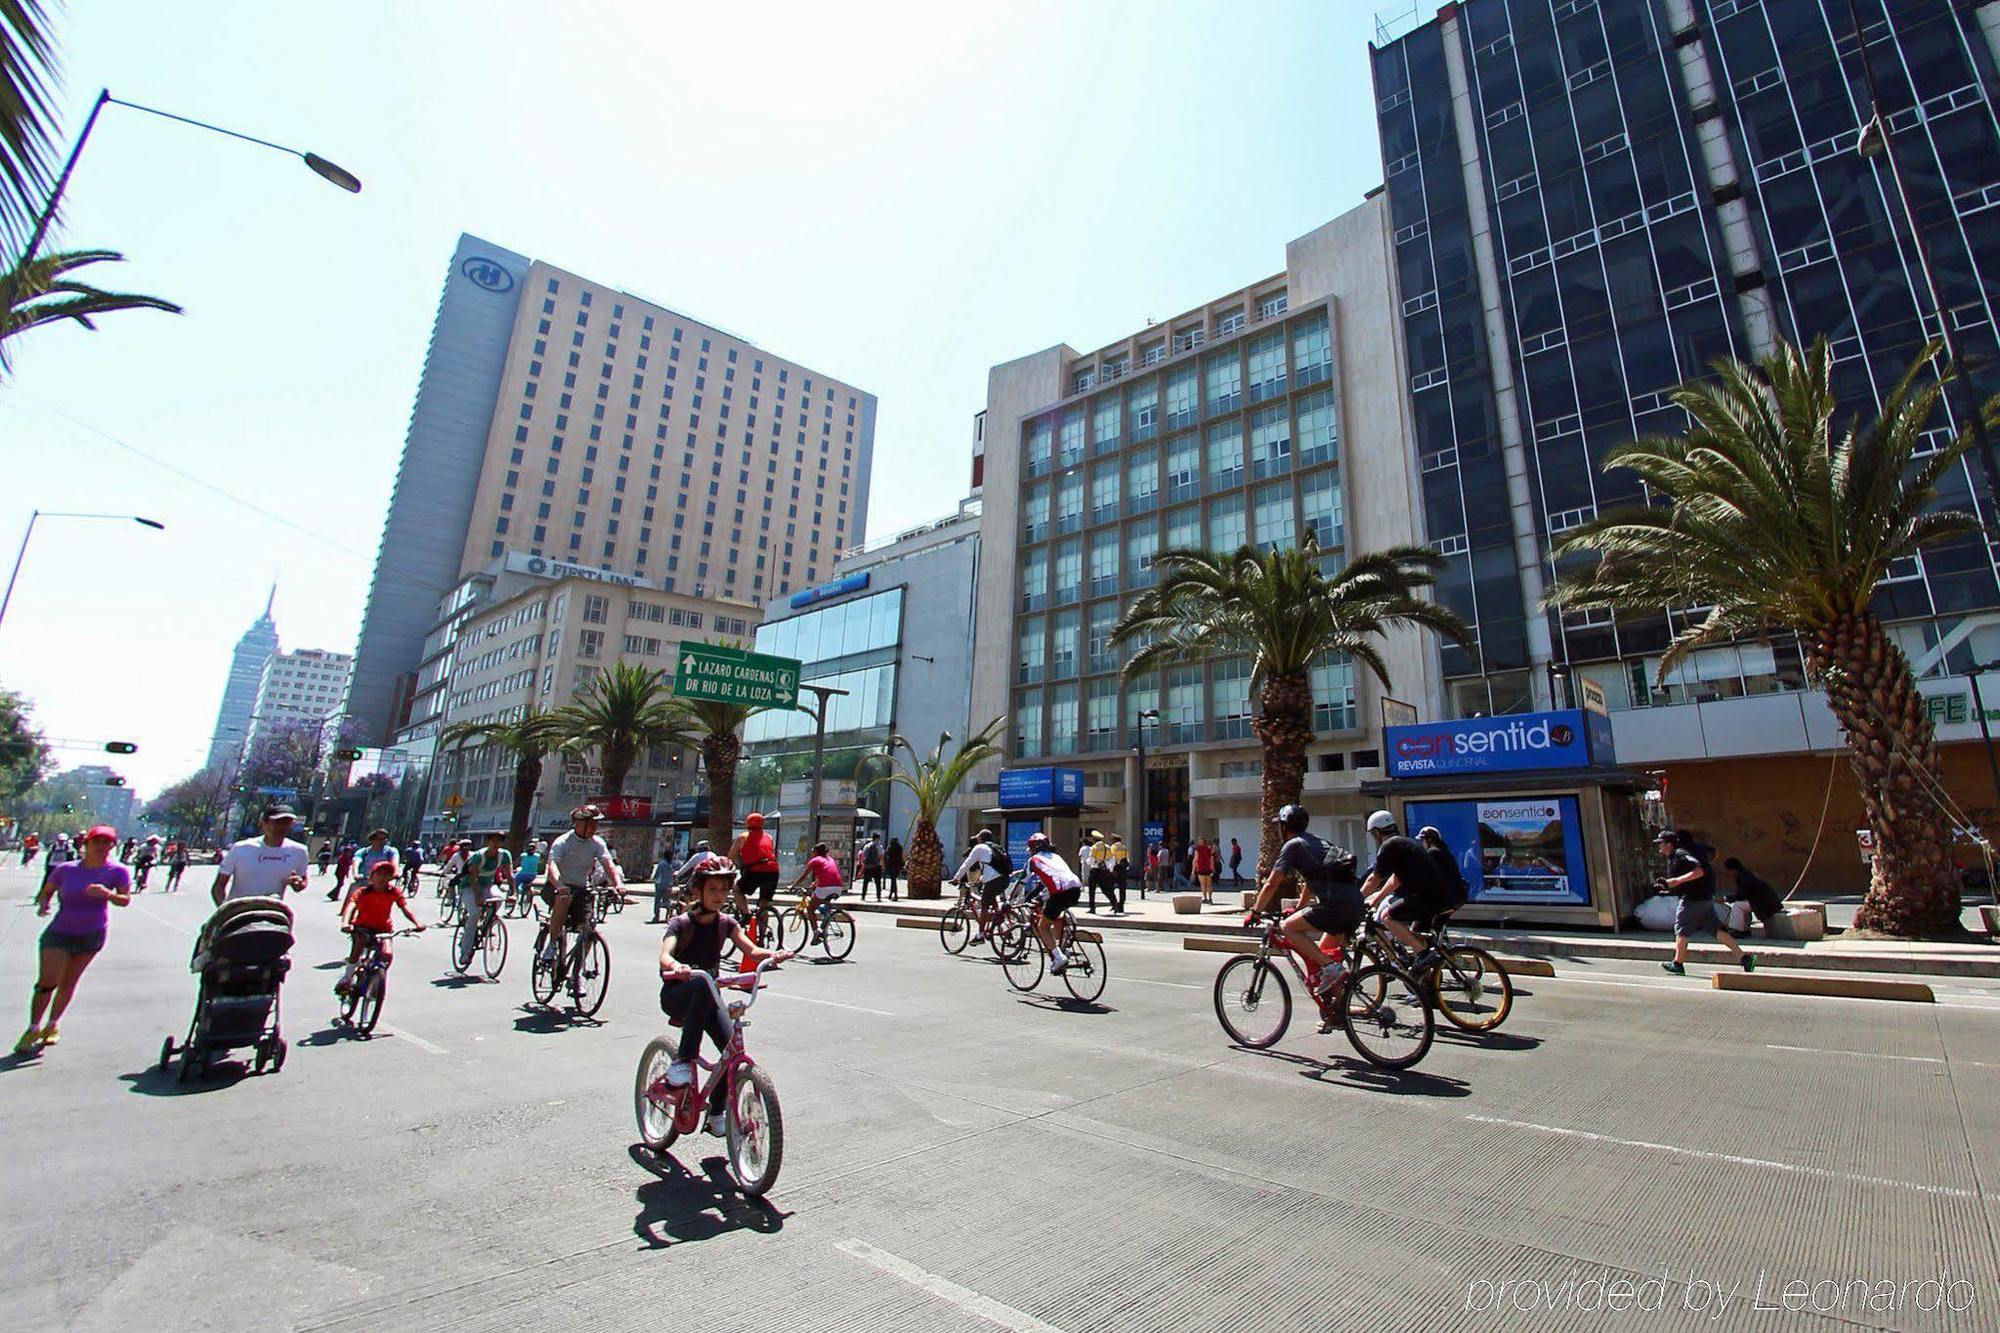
[[87, 889], [756, 858]]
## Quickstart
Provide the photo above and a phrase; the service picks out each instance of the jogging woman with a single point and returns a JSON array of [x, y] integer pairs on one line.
[[87, 889]]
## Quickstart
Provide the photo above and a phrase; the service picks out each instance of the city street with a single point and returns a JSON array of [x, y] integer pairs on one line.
[[960, 1157]]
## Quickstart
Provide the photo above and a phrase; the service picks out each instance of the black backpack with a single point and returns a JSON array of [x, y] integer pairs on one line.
[[1003, 864]]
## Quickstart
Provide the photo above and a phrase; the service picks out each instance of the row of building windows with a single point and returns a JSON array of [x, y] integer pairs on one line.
[[1195, 704], [1185, 336]]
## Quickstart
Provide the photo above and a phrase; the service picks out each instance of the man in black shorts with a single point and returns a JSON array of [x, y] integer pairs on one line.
[[1404, 885], [1330, 903]]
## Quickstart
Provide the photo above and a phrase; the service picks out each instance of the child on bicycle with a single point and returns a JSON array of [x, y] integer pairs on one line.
[[824, 872], [693, 941], [366, 913]]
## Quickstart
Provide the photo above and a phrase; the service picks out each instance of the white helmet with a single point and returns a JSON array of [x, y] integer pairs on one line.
[[1381, 822]]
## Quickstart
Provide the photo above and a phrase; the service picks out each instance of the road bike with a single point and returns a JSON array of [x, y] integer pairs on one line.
[[361, 1006], [1024, 956], [1003, 926], [1463, 982], [486, 939], [139, 873], [1383, 1009], [755, 1133], [583, 963], [798, 926]]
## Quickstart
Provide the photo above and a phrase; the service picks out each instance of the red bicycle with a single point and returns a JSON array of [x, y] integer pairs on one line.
[[1006, 925], [755, 1133]]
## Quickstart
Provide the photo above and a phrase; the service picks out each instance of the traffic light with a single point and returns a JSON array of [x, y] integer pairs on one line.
[[114, 781], [347, 756], [120, 747], [69, 807]]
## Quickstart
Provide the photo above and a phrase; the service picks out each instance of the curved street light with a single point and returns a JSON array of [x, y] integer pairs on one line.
[[40, 514]]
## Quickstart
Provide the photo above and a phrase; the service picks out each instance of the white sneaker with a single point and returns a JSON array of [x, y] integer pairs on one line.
[[1058, 960], [1329, 977], [680, 1073], [717, 1124]]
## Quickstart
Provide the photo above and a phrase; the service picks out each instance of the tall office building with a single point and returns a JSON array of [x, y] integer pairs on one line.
[[1590, 200], [565, 425], [239, 694], [304, 685], [1271, 411]]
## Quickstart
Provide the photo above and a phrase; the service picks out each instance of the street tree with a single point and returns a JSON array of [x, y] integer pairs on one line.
[[24, 757], [283, 755], [28, 78], [529, 739], [1283, 611], [188, 809], [933, 780], [44, 291], [715, 729], [1771, 515], [621, 714]]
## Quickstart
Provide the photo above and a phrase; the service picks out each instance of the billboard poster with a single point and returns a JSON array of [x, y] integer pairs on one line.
[[1018, 833], [1040, 786], [1524, 850], [1512, 743]]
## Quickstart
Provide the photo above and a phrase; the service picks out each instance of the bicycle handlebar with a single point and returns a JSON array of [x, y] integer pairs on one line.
[[750, 991]]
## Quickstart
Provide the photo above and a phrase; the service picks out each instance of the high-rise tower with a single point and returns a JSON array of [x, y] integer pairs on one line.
[[239, 696]]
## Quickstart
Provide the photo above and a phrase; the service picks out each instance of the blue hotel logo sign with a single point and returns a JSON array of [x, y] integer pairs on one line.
[[1517, 742], [1040, 786], [839, 587], [487, 273]]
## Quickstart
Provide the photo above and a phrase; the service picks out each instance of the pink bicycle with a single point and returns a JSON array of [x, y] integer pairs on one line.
[[756, 1127]]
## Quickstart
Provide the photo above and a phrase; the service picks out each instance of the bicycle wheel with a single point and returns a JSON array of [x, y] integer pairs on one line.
[[836, 938], [369, 1011], [770, 931], [493, 949], [448, 910], [593, 976], [1085, 975], [1395, 1031], [1253, 1001], [1014, 936], [656, 1122], [349, 1001], [464, 944], [545, 977], [756, 1132], [954, 931], [1471, 989], [1024, 967]]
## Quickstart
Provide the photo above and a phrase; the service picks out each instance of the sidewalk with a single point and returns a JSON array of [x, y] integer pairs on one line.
[[1833, 954]]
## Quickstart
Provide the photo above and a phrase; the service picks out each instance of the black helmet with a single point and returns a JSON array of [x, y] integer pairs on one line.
[[1294, 818]]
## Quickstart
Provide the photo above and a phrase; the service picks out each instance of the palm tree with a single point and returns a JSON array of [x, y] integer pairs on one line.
[[27, 116], [529, 738], [1285, 612], [43, 293], [620, 714], [933, 781], [713, 728], [1770, 516]]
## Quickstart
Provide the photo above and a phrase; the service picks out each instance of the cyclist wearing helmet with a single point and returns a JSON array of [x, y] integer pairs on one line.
[[694, 940], [756, 853], [572, 859], [1050, 876], [1328, 876], [1404, 885]]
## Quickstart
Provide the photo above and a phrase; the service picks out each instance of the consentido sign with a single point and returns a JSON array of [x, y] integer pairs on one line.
[[1566, 738]]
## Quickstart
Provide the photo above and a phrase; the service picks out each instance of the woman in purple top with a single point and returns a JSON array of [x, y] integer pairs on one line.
[[86, 888]]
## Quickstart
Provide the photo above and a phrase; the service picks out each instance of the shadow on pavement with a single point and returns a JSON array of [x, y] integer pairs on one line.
[[1355, 1072], [1069, 1004], [1487, 1041], [538, 1020], [331, 1035], [16, 1059], [327, 967], [153, 1081], [457, 981], [679, 1206]]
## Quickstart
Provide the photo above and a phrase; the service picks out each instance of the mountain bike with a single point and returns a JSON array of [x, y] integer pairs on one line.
[[1024, 956], [1463, 982], [361, 1007], [1383, 1009], [583, 963], [1001, 926], [485, 938], [755, 1132]]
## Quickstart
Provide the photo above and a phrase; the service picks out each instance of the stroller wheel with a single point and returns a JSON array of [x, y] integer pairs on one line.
[[166, 1054], [187, 1065], [277, 1054]]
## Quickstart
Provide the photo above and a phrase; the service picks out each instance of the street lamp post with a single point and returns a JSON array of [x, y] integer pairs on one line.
[[340, 176], [1140, 798], [38, 514], [1876, 137], [822, 693]]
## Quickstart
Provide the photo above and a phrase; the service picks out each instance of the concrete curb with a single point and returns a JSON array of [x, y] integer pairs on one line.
[[1851, 988]]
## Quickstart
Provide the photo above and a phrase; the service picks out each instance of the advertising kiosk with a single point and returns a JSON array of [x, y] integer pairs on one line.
[[1041, 800], [1543, 822]]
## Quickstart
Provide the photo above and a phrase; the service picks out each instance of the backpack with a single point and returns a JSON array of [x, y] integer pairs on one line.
[[1003, 864], [871, 856]]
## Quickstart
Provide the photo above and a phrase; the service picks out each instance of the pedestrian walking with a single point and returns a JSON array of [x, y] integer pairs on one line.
[[1752, 896], [326, 856], [1203, 861], [663, 887], [1086, 866], [871, 866], [1690, 878], [87, 889], [1121, 869], [892, 864], [1235, 861]]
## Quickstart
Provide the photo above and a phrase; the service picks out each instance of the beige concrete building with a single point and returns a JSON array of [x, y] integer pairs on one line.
[[304, 685], [541, 647], [1275, 408]]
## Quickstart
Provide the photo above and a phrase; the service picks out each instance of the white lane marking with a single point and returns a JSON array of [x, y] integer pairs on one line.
[[1730, 1158], [1177, 985], [415, 1040], [966, 1299], [171, 925], [807, 999], [1877, 1055]]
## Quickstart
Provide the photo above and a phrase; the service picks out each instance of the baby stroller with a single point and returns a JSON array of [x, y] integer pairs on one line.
[[241, 956]]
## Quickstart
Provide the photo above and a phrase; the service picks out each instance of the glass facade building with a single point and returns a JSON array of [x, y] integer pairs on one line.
[[1594, 198], [850, 646], [1225, 432]]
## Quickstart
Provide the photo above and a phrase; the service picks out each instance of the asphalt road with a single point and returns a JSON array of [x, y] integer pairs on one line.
[[959, 1157]]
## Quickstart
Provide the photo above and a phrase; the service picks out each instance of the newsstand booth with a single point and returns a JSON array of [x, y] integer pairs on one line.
[[1543, 822], [1042, 800]]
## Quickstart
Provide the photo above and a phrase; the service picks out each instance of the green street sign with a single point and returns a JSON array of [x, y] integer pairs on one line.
[[732, 676]]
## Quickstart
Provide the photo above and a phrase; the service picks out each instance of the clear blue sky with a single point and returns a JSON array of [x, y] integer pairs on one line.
[[901, 194]]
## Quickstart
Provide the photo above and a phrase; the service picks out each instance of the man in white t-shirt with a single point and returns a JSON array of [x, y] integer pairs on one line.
[[575, 859], [263, 867]]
